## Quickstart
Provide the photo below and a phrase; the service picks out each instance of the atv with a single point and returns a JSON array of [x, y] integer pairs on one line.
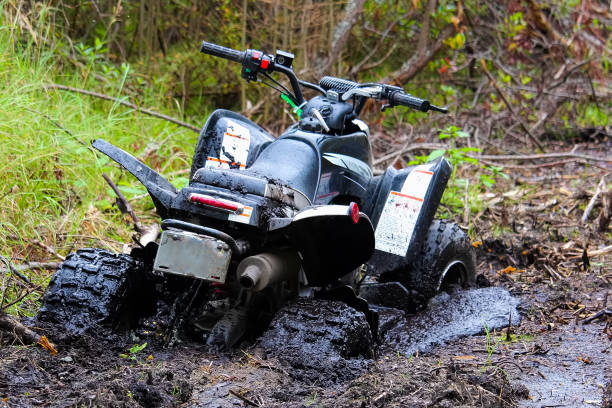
[[265, 220]]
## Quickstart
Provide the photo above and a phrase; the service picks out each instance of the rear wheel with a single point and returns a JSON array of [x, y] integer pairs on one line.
[[94, 286]]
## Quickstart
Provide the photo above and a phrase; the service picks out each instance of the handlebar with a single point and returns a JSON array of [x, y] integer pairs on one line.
[[255, 62], [395, 95], [329, 82], [223, 52]]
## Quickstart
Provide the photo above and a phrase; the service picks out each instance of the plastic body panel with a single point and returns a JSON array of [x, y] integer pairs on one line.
[[394, 180], [210, 141]]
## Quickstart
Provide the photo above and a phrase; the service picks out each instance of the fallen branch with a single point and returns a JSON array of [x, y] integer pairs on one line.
[[23, 333], [509, 106], [243, 398], [10, 267], [406, 149], [597, 252], [600, 189], [124, 103], [564, 155], [124, 206], [602, 312], [32, 265], [48, 249]]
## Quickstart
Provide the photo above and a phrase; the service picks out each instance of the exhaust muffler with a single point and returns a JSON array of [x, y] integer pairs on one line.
[[258, 271]]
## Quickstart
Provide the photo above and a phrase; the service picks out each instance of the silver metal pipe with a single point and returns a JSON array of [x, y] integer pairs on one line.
[[258, 271]]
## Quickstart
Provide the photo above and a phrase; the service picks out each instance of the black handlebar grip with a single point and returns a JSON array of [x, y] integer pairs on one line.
[[343, 85], [223, 52], [400, 98]]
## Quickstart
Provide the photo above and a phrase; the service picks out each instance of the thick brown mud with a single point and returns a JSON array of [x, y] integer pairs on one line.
[[451, 316]]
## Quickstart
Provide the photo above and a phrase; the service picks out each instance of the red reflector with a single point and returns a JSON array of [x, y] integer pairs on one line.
[[264, 63], [256, 55], [354, 212], [206, 200]]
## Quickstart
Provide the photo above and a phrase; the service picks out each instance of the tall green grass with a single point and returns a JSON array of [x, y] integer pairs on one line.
[[52, 190]]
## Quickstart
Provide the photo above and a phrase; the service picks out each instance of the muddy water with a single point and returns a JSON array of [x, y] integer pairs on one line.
[[570, 374], [448, 317], [318, 343]]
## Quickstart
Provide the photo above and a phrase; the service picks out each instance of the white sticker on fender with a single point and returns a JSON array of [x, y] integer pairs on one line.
[[234, 148], [401, 211], [244, 217]]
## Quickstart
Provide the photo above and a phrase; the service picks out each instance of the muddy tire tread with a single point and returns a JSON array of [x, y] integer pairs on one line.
[[89, 288], [445, 241]]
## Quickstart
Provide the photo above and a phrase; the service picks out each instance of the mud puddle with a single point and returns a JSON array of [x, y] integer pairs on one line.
[[567, 375], [314, 347], [448, 317]]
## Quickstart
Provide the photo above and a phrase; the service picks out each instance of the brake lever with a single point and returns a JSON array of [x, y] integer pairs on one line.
[[438, 109], [368, 92]]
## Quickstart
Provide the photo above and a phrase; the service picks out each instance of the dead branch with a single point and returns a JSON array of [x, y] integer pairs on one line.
[[603, 221], [600, 189], [597, 252], [11, 325], [124, 206], [23, 333], [124, 103], [364, 62], [416, 146], [48, 249], [560, 155], [32, 265], [21, 297], [243, 398], [509, 106], [602, 312], [150, 234], [543, 24], [10, 267], [419, 60]]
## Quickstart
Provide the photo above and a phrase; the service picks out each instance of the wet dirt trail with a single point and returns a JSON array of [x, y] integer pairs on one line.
[[423, 360], [538, 349]]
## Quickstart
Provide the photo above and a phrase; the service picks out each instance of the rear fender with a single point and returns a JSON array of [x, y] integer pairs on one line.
[[161, 190], [330, 243], [403, 209]]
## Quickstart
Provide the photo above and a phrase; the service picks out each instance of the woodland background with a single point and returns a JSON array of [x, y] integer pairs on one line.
[[517, 76]]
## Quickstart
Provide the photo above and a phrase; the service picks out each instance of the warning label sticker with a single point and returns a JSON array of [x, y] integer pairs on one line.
[[401, 212], [244, 217], [234, 148]]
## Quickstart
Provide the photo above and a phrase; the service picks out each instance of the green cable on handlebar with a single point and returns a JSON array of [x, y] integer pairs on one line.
[[296, 109]]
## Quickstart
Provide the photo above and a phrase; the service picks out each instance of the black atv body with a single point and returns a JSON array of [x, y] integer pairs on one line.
[[275, 218]]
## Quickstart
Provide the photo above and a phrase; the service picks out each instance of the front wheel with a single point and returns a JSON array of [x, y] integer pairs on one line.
[[447, 258]]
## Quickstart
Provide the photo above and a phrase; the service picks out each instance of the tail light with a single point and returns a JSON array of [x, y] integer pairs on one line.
[[354, 212], [217, 203]]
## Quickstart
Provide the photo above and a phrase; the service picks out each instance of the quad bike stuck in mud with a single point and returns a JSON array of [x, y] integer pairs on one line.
[[265, 221]]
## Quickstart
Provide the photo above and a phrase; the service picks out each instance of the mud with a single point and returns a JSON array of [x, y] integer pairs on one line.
[[319, 342], [570, 381], [448, 317]]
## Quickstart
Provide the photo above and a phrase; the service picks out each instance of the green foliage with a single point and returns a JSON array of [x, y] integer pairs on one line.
[[460, 159], [592, 115], [134, 351], [491, 344], [52, 188]]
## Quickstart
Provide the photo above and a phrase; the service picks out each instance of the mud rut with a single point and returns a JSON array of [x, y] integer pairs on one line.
[[552, 357]]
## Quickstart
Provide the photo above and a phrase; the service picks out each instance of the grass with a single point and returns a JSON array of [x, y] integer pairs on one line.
[[52, 190]]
